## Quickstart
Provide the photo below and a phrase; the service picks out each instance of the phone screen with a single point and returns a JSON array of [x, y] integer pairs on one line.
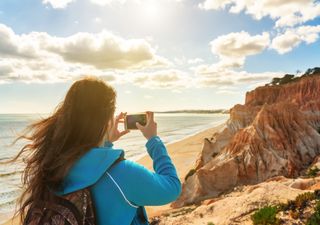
[[130, 121]]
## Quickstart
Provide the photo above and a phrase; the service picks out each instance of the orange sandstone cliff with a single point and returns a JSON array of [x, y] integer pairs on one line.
[[276, 132]]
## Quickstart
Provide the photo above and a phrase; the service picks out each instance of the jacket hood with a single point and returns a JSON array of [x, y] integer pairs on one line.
[[89, 169]]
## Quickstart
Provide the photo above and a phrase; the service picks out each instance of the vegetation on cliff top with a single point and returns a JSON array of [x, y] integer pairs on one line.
[[287, 78]]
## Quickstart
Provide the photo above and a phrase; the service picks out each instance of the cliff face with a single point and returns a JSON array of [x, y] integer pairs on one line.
[[276, 132]]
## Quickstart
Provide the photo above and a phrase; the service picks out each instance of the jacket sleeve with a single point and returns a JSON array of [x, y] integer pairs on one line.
[[145, 187]]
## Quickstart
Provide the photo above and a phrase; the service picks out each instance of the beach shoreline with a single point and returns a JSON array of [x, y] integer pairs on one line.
[[183, 153], [204, 129]]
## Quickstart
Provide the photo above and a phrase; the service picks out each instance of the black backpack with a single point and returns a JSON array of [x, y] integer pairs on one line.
[[75, 208]]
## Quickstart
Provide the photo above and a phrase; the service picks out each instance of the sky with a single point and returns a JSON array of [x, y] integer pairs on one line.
[[158, 54]]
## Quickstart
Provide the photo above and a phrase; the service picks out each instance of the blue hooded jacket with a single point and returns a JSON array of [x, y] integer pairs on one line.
[[120, 193]]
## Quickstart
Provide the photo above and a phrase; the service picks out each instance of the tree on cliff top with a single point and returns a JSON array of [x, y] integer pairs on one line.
[[287, 78], [312, 71]]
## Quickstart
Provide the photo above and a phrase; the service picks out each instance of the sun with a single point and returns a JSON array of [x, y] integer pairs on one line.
[[152, 9]]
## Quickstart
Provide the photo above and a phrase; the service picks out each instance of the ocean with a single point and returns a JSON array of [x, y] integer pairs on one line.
[[172, 127]]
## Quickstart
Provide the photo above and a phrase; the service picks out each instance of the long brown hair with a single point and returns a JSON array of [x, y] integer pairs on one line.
[[78, 124]]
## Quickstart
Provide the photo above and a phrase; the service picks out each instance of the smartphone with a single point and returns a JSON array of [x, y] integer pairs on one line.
[[131, 119]]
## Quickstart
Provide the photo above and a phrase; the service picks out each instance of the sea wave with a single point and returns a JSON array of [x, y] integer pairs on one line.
[[7, 174]]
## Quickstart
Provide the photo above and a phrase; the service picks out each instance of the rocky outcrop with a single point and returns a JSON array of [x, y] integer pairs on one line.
[[237, 207], [276, 132]]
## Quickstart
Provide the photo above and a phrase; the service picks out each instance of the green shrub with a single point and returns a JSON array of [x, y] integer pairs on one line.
[[287, 78], [282, 207], [317, 194], [315, 217], [314, 220], [190, 173], [312, 71], [302, 199], [291, 205], [300, 202], [210, 223], [312, 172], [265, 216]]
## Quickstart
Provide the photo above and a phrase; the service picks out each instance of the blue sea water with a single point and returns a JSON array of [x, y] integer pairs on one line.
[[171, 128]]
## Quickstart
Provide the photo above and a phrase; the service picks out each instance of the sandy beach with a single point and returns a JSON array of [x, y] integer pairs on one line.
[[183, 154]]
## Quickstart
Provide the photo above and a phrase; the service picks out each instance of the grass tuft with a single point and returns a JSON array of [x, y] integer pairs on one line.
[[265, 216]]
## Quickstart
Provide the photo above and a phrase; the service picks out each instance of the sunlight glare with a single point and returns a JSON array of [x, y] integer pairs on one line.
[[152, 10]]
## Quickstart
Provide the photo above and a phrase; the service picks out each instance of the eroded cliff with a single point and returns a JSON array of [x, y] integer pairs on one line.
[[276, 132]]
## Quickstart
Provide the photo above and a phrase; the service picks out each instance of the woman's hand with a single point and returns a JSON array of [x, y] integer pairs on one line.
[[113, 134], [150, 129]]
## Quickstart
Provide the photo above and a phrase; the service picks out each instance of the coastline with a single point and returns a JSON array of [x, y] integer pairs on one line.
[[213, 125], [183, 152], [203, 129]]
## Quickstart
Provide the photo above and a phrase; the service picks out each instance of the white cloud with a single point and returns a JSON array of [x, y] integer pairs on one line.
[[40, 57], [105, 50], [5, 69], [47, 70], [61, 4], [97, 20], [291, 38], [195, 61], [58, 4], [180, 60], [227, 92], [233, 48], [284, 12], [240, 44], [162, 79], [108, 76], [12, 45], [214, 4], [107, 2], [209, 76]]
